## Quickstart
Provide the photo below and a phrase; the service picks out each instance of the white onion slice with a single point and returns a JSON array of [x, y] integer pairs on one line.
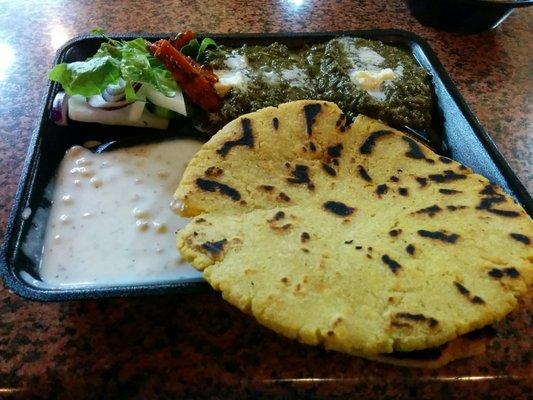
[[60, 109], [133, 114]]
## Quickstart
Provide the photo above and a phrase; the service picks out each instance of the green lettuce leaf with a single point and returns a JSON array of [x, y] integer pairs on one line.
[[203, 47], [191, 48], [86, 77], [196, 50], [115, 59]]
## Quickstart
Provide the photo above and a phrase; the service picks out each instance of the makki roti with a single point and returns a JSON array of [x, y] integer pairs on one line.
[[356, 237]]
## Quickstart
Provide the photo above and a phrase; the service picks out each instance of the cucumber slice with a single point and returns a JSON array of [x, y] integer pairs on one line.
[[162, 112], [176, 103]]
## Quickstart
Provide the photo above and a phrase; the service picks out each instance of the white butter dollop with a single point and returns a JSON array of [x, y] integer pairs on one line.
[[229, 79], [372, 80], [234, 77]]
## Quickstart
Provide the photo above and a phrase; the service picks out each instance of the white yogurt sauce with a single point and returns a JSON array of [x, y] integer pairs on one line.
[[111, 221]]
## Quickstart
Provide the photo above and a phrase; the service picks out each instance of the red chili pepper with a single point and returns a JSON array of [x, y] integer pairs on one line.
[[182, 39], [195, 80]]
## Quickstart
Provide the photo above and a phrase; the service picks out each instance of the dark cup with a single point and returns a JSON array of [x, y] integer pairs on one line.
[[467, 16]]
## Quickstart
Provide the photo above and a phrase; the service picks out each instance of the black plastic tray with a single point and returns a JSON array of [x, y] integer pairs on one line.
[[465, 139]]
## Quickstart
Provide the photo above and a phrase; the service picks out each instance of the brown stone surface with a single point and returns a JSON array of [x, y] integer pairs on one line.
[[196, 346]]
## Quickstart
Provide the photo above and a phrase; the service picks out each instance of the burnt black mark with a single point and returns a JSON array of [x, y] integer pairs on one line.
[[247, 139], [213, 172], [410, 249], [445, 160], [348, 241], [310, 112], [335, 151], [214, 186], [312, 146], [403, 191], [439, 235], [329, 169], [520, 238], [489, 191], [432, 322], [511, 272], [358, 247], [392, 264], [495, 273], [504, 213], [214, 248], [491, 197], [462, 167], [431, 210], [275, 123], [446, 176], [279, 215], [394, 179], [414, 149], [336, 207], [283, 197], [267, 188], [382, 189], [368, 145], [364, 174], [340, 120], [304, 237], [466, 293], [449, 191], [422, 181], [486, 203], [300, 175], [395, 232], [199, 220], [455, 208]]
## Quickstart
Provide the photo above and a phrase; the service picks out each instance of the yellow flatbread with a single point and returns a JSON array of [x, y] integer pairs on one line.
[[354, 237]]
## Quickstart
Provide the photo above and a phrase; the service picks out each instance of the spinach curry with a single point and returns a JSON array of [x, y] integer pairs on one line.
[[361, 76]]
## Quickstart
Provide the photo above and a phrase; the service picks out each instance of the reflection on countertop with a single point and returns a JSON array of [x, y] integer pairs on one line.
[[196, 345]]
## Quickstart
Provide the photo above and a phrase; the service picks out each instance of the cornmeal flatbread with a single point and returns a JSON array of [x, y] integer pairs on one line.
[[356, 237]]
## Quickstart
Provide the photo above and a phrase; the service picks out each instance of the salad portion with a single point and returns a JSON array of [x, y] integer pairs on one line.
[[135, 82]]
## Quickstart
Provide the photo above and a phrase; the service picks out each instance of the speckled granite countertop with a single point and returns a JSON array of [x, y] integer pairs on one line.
[[196, 346]]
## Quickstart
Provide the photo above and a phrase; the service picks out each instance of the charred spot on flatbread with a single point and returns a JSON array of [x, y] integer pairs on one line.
[[247, 139], [214, 186], [439, 235], [338, 208], [310, 112], [370, 142]]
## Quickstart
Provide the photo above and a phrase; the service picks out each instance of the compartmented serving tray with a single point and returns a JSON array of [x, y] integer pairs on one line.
[[463, 137]]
